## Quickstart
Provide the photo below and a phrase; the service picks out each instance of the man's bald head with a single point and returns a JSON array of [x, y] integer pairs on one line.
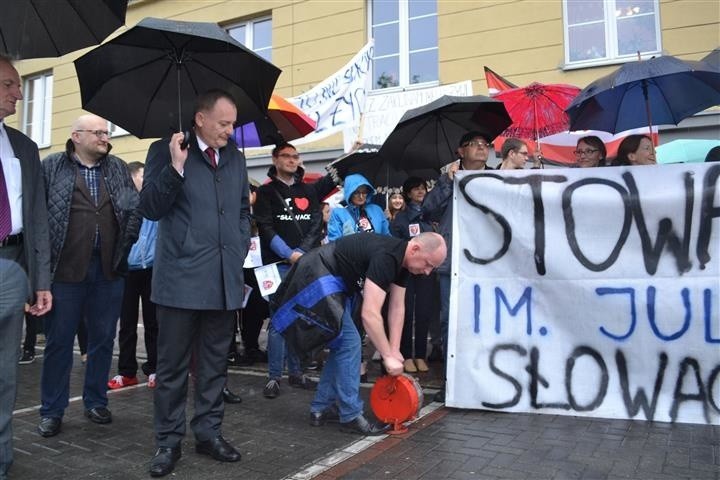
[[425, 253]]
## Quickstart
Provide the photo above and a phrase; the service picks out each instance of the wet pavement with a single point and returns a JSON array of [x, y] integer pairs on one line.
[[276, 441]]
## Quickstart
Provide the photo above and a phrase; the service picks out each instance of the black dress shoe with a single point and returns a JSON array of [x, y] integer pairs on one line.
[[219, 449], [49, 426], [362, 426], [330, 414], [230, 397], [164, 461], [99, 415]]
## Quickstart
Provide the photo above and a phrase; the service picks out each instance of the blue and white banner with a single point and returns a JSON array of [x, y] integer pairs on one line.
[[588, 292]]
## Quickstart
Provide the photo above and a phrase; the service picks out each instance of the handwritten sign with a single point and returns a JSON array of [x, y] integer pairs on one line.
[[588, 292], [383, 110], [338, 102]]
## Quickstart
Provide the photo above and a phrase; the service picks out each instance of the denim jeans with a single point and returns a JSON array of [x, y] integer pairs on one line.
[[340, 379], [277, 351], [96, 301]]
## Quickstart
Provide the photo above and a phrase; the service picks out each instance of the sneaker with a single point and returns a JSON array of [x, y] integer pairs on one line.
[[27, 357], [272, 389], [152, 380], [120, 381], [301, 381]]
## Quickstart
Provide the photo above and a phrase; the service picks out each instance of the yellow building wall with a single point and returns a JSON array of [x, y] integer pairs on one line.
[[521, 40]]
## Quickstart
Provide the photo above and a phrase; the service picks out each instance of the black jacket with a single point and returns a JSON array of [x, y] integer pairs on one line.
[[60, 173], [291, 213]]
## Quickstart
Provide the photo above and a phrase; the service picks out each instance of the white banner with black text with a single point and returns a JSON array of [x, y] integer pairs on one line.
[[589, 292]]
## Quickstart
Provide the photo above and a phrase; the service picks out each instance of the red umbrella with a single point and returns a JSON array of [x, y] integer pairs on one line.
[[537, 110]]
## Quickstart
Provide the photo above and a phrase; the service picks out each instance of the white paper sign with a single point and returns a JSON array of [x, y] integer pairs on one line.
[[247, 290], [383, 110], [337, 102], [588, 292], [268, 279], [254, 255]]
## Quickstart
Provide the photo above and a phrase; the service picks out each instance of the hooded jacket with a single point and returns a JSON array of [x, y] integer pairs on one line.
[[289, 217], [344, 221]]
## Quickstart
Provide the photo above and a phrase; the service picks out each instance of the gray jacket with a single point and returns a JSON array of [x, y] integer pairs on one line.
[[34, 208], [203, 229]]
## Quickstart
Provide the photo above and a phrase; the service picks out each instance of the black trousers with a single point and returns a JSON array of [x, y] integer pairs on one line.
[[137, 287], [204, 335], [421, 307]]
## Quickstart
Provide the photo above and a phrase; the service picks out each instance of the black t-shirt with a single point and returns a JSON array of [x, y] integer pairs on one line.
[[373, 256]]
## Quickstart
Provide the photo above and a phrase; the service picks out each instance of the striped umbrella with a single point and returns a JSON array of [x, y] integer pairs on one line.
[[283, 122]]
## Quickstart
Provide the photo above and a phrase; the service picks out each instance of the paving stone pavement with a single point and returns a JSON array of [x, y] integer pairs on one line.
[[276, 442]]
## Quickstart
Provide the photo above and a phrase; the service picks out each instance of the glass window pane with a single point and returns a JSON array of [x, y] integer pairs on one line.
[[421, 7], [387, 40], [262, 34], [423, 33], [238, 33], [628, 8], [424, 66], [636, 33], [384, 11], [265, 53], [386, 72], [581, 11], [587, 42]]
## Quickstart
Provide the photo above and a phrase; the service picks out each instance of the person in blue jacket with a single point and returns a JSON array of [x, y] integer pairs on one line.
[[137, 286], [360, 215]]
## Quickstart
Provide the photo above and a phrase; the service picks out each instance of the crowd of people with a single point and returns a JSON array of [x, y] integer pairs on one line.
[[87, 240]]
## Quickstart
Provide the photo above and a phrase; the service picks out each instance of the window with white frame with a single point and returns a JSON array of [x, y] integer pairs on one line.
[[406, 42], [600, 31], [37, 108], [256, 35]]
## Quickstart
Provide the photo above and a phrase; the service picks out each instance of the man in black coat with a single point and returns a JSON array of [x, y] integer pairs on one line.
[[24, 248], [199, 195]]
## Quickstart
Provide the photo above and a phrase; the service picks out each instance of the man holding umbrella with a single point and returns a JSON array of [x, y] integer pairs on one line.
[[199, 195], [473, 151]]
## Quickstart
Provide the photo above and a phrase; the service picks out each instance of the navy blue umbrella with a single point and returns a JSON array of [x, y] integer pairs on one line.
[[659, 91]]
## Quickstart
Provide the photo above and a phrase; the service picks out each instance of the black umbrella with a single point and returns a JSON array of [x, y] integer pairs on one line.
[[713, 59], [367, 161], [659, 91], [50, 28], [146, 80], [427, 137]]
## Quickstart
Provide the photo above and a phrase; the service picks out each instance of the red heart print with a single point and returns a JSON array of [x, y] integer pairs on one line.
[[302, 203]]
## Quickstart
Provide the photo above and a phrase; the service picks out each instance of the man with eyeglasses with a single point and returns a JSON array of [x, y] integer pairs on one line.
[[473, 151], [289, 218], [92, 216], [514, 154]]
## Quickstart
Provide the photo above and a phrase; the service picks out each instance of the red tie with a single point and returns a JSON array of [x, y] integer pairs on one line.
[[211, 155], [5, 221]]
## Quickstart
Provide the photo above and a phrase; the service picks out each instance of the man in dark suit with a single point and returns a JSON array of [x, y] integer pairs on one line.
[[199, 195], [24, 248]]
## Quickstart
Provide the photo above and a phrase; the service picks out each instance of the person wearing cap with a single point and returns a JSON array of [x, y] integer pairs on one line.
[[473, 151], [421, 294]]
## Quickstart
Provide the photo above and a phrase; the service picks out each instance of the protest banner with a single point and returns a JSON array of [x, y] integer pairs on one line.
[[587, 292], [337, 102], [383, 110]]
